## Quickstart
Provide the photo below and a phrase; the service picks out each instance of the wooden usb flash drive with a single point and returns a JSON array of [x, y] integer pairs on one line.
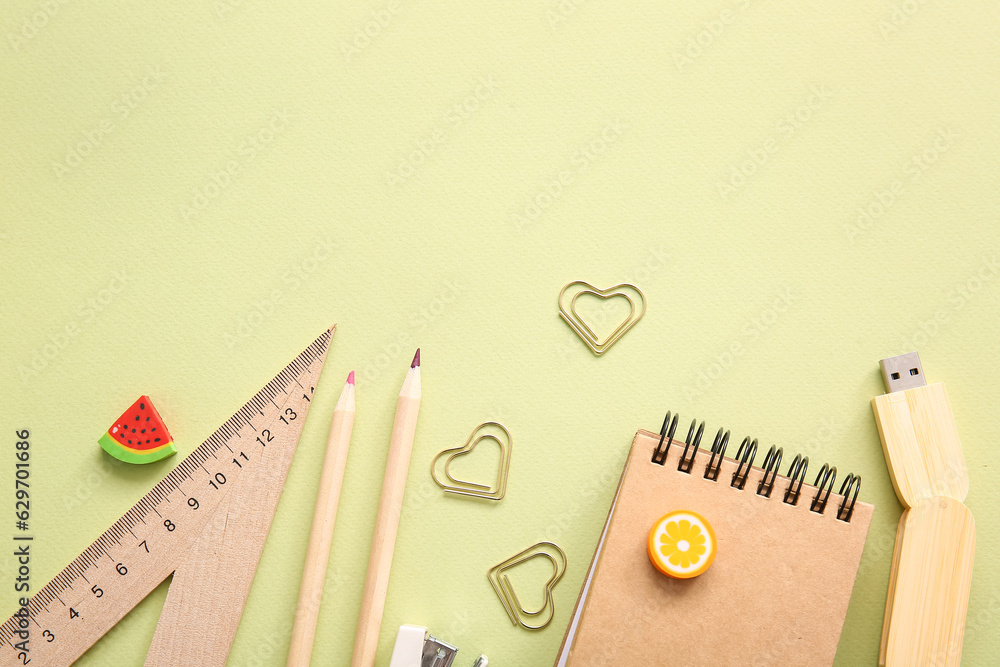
[[931, 571]]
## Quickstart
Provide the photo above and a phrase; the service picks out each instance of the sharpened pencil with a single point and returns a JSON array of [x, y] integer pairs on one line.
[[318, 554], [387, 523]]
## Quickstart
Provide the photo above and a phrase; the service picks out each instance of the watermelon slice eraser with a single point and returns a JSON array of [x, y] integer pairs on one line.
[[139, 435]]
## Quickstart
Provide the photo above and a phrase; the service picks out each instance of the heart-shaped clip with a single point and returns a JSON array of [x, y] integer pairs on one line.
[[501, 584], [567, 310], [494, 431]]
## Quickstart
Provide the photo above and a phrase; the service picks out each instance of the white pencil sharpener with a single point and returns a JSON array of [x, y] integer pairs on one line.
[[416, 647]]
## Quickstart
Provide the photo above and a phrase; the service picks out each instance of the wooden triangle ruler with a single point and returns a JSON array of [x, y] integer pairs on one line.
[[205, 522]]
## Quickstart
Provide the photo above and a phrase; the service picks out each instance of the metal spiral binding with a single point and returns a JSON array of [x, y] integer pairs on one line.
[[824, 481], [771, 463], [796, 473], [718, 449], [745, 456], [845, 489], [684, 465], [666, 434]]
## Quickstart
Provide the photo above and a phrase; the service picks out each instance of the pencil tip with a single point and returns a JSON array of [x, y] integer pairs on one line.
[[350, 378], [416, 360]]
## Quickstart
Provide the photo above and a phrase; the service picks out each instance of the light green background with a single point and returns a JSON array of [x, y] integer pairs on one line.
[[197, 189]]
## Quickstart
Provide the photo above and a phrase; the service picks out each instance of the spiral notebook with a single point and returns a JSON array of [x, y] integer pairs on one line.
[[778, 589]]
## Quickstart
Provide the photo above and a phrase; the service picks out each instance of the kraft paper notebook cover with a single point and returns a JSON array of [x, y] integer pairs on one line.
[[777, 592]]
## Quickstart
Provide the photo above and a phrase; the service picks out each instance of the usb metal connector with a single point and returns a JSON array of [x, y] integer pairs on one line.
[[902, 372]]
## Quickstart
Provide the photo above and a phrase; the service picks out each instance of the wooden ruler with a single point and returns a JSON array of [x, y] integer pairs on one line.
[[205, 522]]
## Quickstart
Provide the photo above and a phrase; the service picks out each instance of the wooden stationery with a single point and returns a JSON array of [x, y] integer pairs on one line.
[[321, 537], [387, 521], [931, 573], [206, 522], [777, 591]]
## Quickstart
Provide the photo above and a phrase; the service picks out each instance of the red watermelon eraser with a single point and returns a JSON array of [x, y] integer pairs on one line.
[[139, 435]]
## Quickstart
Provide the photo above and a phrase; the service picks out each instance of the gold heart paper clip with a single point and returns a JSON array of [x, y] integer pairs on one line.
[[501, 584], [567, 310], [499, 435]]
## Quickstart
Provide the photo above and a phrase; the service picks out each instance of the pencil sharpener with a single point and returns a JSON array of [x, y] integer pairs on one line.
[[416, 647]]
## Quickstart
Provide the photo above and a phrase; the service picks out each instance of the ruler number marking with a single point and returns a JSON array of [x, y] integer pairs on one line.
[[237, 462], [220, 478]]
